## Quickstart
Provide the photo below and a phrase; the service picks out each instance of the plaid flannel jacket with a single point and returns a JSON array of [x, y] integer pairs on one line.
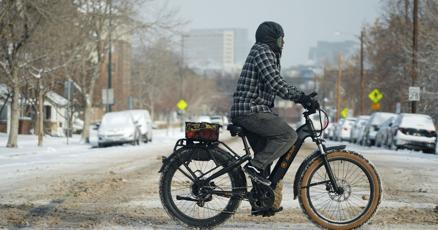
[[260, 82]]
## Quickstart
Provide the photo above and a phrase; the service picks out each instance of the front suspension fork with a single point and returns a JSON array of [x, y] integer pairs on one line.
[[329, 171]]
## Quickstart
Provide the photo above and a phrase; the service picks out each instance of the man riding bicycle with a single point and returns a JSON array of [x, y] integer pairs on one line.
[[260, 82], [202, 184]]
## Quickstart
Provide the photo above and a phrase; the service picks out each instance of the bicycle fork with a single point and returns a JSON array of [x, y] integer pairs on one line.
[[328, 169]]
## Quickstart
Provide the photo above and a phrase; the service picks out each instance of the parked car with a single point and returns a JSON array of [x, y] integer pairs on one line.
[[203, 118], [143, 119], [344, 129], [118, 128], [383, 134], [336, 129], [358, 128], [373, 125], [216, 119], [414, 131], [221, 120], [328, 132], [92, 134]]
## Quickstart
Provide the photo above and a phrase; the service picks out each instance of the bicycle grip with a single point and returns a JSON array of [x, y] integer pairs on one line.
[[313, 94]]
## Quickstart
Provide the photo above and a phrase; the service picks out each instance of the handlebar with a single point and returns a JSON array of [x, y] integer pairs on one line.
[[312, 94], [310, 107]]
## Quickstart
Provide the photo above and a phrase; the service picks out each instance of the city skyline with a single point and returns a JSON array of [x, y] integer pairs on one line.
[[304, 23]]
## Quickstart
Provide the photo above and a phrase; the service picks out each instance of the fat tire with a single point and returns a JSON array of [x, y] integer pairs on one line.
[[365, 217], [179, 217]]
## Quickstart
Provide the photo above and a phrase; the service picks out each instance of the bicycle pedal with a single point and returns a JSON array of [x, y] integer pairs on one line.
[[257, 180]]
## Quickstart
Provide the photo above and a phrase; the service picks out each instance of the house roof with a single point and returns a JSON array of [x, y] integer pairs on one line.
[[51, 96], [57, 99]]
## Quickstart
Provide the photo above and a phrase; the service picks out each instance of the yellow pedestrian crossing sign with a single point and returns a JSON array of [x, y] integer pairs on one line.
[[181, 105], [344, 112], [375, 96]]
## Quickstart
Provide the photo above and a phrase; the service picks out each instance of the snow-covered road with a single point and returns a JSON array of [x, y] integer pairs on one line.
[[76, 186]]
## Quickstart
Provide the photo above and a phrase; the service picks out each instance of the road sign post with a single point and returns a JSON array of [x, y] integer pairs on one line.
[[414, 93], [107, 96], [344, 113], [182, 105], [375, 106], [375, 96]]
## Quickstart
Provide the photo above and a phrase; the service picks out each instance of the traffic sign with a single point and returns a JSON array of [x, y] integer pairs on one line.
[[414, 93], [375, 96], [344, 112], [375, 106], [181, 105], [107, 96]]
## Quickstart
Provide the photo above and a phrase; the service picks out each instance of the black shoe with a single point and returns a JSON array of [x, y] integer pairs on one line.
[[256, 174]]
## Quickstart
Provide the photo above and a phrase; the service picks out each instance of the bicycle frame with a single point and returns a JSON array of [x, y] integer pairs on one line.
[[284, 162]]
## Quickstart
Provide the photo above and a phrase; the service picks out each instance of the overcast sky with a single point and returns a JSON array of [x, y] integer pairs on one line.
[[304, 21]]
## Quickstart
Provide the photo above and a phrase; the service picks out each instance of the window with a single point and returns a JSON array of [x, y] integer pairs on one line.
[[47, 112], [4, 112]]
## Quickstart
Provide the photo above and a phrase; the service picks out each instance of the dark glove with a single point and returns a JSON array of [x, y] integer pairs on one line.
[[308, 102]]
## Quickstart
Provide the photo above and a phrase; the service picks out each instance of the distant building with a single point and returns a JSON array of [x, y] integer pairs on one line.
[[216, 48], [302, 76], [327, 53], [121, 77]]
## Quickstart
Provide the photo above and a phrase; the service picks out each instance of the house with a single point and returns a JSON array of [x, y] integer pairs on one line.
[[55, 114], [5, 108]]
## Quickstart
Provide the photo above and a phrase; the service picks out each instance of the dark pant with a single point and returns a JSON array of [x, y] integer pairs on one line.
[[269, 136]]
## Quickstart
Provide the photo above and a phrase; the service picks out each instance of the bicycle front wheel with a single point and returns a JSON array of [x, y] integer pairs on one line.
[[354, 205]]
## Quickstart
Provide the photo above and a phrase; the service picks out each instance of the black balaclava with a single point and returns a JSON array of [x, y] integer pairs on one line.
[[269, 33]]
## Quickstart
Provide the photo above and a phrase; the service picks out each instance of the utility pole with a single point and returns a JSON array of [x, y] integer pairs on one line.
[[414, 52], [181, 68], [362, 80], [181, 72], [338, 83], [110, 59]]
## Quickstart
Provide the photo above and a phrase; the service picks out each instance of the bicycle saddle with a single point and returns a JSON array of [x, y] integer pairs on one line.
[[235, 130]]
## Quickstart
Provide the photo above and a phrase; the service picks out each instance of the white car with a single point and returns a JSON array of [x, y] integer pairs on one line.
[[204, 119], [328, 132], [118, 128], [143, 119], [93, 138], [336, 129], [216, 119], [344, 130], [414, 131]]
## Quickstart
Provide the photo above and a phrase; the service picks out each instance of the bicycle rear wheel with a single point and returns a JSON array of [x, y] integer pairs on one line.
[[190, 202], [355, 205]]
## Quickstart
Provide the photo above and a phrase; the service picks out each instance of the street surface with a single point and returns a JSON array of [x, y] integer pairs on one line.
[[75, 186]]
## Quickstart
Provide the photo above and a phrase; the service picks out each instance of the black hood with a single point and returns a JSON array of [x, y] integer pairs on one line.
[[268, 33]]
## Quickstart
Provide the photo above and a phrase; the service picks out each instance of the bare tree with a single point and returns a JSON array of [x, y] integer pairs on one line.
[[20, 20], [154, 68], [94, 28], [389, 50]]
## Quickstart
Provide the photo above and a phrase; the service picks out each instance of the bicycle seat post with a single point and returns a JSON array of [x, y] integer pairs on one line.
[[245, 144], [239, 131]]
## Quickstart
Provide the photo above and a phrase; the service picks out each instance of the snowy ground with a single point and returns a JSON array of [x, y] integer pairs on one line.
[[77, 186]]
